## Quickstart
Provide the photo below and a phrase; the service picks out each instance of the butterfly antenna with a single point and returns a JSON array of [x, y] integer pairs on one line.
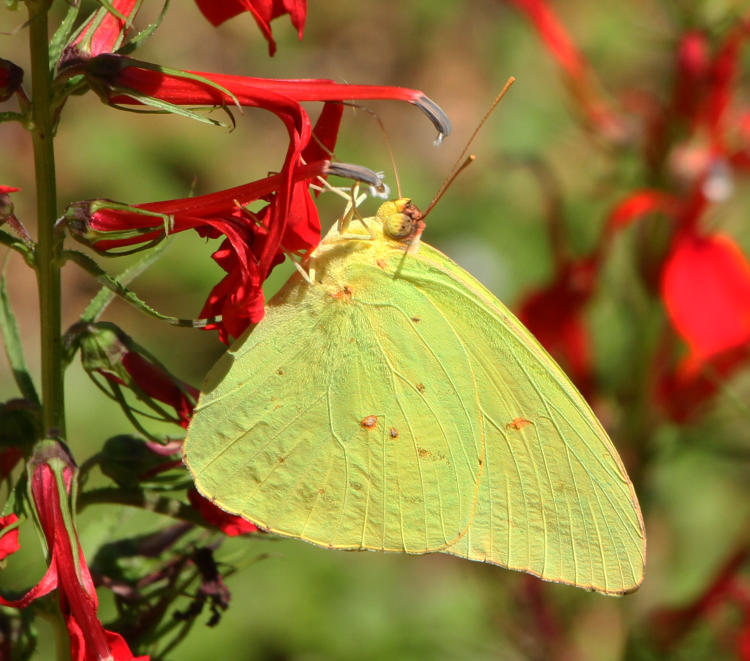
[[463, 161]]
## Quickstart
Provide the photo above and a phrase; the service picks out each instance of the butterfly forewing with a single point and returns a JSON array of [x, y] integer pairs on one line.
[[335, 421]]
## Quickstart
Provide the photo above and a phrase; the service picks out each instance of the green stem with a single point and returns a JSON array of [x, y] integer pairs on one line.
[[47, 257]]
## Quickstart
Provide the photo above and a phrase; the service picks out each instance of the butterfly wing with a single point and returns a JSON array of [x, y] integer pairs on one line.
[[338, 419], [397, 405], [554, 497]]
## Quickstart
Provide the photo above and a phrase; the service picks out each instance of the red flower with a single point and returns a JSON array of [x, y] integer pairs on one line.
[[255, 243], [263, 11], [51, 474], [229, 524], [8, 535], [103, 32], [706, 289], [249, 252]]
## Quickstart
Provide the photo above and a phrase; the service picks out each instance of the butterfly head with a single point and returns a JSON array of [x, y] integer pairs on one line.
[[401, 219]]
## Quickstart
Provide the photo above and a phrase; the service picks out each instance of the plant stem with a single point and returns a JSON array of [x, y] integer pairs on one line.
[[47, 255]]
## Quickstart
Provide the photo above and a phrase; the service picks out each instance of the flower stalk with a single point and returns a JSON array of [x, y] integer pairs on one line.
[[48, 246]]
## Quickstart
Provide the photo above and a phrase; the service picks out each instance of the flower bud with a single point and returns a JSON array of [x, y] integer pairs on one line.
[[108, 351]]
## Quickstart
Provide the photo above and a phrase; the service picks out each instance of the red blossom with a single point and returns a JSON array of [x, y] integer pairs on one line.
[[638, 204], [229, 524], [693, 63], [8, 536], [254, 243], [103, 32], [263, 11], [51, 474], [249, 251], [705, 286]]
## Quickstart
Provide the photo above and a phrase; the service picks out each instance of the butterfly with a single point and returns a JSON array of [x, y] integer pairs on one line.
[[389, 401]]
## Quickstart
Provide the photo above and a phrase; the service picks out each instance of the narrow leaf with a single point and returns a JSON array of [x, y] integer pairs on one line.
[[13, 348]]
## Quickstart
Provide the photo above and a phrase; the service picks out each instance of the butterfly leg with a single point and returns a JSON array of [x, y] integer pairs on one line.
[[352, 212]]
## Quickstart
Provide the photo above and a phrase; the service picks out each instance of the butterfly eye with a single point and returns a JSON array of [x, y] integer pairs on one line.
[[399, 218], [398, 226]]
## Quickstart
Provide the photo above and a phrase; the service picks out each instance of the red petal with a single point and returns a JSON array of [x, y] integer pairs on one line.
[[325, 133], [263, 11], [104, 31], [706, 289], [582, 82], [638, 204], [229, 524], [8, 540], [160, 385]]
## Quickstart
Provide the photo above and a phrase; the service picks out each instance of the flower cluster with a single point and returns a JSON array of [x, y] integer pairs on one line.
[[697, 143]]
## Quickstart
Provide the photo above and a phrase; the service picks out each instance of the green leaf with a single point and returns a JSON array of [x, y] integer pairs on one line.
[[13, 348], [102, 277], [107, 294], [60, 38]]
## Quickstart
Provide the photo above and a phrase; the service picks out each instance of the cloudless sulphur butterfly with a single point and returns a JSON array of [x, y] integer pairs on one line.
[[394, 404]]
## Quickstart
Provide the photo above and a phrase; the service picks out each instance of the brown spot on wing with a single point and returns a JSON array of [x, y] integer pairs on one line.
[[369, 422], [394, 432], [518, 424], [420, 387], [346, 292]]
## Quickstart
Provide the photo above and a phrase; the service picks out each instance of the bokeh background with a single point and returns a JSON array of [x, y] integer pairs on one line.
[[297, 602]]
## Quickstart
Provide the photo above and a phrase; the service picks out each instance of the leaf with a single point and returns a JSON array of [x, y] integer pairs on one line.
[[393, 403], [13, 347]]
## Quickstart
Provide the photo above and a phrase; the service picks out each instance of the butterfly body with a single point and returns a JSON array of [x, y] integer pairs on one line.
[[393, 403]]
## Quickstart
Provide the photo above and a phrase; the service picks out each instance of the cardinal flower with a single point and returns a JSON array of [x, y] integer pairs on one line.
[[255, 242], [250, 249], [263, 11], [51, 475]]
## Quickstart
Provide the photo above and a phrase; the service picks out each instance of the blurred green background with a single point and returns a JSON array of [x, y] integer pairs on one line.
[[291, 600]]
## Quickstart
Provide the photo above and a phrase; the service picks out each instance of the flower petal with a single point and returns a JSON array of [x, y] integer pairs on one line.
[[705, 286], [229, 524], [263, 11], [8, 538]]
